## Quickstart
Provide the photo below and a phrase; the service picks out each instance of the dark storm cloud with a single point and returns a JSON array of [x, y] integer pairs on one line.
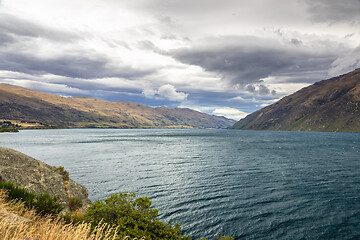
[[16, 33], [246, 60], [79, 65], [333, 11], [5, 39], [69, 66], [295, 41], [241, 64]]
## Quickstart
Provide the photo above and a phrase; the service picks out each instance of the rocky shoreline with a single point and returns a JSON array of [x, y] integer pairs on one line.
[[39, 177]]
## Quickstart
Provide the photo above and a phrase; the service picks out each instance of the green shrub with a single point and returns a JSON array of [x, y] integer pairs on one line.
[[19, 193], [45, 204], [8, 129], [224, 238], [132, 217], [64, 173], [42, 203], [75, 204]]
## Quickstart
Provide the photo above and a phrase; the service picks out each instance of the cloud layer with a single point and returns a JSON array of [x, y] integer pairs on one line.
[[335, 11], [245, 61]]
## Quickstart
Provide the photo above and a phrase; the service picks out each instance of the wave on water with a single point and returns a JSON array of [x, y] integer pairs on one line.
[[245, 184]]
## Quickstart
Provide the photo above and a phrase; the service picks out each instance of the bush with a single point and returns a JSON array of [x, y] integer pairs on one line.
[[45, 204], [42, 203], [75, 204], [64, 173], [132, 217], [27, 225], [8, 129], [18, 193], [224, 238]]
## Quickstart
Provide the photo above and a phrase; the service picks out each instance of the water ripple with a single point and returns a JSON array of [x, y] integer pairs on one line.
[[246, 184]]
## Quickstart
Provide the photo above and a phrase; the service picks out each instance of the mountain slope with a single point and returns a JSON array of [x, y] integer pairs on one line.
[[328, 105], [21, 104]]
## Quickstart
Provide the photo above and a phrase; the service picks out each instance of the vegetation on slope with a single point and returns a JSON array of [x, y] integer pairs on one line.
[[18, 222], [121, 216], [43, 203], [7, 126]]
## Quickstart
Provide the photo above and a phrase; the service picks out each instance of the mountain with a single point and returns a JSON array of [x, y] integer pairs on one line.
[[329, 105], [37, 109]]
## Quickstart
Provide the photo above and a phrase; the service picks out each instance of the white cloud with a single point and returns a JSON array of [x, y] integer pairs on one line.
[[264, 104], [46, 87], [228, 112], [231, 113], [254, 100], [346, 63], [167, 92], [239, 98]]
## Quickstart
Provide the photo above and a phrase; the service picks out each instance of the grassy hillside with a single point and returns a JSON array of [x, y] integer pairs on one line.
[[328, 105], [46, 110]]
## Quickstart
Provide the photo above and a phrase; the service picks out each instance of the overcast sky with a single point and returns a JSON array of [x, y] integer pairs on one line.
[[223, 57]]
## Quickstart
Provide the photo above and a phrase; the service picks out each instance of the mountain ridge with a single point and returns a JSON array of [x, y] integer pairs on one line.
[[22, 104], [328, 105]]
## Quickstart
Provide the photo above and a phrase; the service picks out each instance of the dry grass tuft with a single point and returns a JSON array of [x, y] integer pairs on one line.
[[18, 223]]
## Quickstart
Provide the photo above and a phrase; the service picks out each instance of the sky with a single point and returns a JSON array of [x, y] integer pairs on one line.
[[222, 57]]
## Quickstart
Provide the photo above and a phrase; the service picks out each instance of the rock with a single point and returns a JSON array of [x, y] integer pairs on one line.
[[39, 177]]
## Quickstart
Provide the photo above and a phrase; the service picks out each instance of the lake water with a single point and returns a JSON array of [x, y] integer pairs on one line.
[[246, 184]]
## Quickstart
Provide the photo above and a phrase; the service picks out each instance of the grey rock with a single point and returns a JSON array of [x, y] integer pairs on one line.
[[39, 177]]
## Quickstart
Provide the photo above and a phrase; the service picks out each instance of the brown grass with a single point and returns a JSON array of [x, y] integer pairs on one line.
[[18, 223]]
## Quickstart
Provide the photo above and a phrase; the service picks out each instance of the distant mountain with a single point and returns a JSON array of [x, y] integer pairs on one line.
[[328, 105], [27, 106]]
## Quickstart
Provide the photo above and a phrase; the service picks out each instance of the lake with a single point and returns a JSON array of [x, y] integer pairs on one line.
[[245, 184]]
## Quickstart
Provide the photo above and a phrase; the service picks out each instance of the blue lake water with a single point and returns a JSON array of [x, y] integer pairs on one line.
[[245, 184]]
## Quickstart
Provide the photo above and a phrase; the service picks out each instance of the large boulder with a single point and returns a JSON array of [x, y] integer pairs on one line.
[[39, 177]]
